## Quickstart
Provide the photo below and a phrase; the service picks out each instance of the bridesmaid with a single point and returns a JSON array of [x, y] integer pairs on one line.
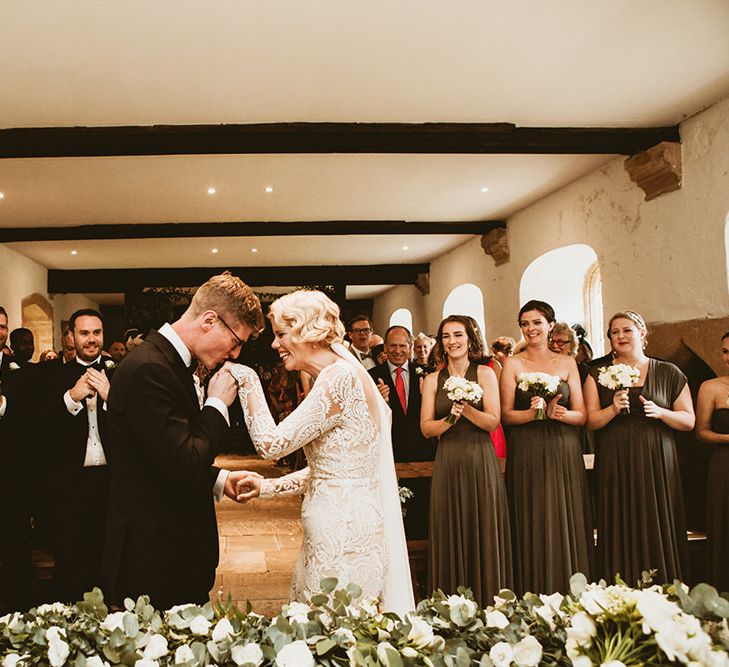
[[469, 515], [712, 425], [549, 502], [640, 514]]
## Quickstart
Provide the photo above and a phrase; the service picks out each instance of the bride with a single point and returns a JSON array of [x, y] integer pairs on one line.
[[351, 519]]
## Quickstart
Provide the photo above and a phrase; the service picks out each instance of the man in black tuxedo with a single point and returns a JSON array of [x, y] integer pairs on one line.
[[80, 474], [399, 383], [162, 536], [17, 433]]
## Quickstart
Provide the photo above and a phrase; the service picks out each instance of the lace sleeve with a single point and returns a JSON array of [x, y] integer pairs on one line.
[[293, 484], [319, 412]]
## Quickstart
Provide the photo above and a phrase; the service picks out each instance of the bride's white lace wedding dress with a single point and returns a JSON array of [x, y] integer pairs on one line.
[[349, 531]]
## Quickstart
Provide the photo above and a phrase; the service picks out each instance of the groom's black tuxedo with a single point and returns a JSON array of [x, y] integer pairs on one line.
[[162, 535]]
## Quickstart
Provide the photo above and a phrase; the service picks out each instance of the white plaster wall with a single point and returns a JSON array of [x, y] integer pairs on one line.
[[665, 258], [19, 278]]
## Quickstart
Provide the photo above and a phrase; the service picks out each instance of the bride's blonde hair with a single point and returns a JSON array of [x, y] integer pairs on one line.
[[309, 316]]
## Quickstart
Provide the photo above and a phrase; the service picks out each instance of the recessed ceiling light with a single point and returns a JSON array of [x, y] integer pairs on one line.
[[405, 247], [2, 195], [211, 191], [214, 251], [269, 188], [254, 249], [484, 189], [74, 252]]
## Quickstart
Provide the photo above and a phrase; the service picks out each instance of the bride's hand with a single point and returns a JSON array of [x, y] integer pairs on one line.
[[248, 487], [234, 476]]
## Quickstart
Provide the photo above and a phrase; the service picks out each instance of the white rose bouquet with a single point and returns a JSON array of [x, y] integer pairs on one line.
[[617, 377], [462, 391], [543, 385]]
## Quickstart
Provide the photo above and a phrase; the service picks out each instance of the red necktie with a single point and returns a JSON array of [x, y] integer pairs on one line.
[[400, 389]]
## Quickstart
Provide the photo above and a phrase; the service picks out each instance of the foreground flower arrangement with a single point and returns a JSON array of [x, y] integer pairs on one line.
[[596, 624]]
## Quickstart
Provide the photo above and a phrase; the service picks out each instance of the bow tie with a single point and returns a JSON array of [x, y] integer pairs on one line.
[[96, 366], [364, 355]]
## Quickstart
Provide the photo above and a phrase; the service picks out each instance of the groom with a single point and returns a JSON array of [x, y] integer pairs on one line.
[[162, 535]]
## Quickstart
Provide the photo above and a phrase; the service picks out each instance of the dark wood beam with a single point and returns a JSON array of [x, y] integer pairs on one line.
[[127, 280], [242, 229], [326, 138]]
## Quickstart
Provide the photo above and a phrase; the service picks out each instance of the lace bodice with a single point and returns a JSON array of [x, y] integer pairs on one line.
[[332, 424]]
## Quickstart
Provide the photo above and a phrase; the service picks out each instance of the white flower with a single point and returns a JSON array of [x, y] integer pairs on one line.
[[295, 654], [247, 653], [554, 601], [56, 607], [96, 661], [156, 647], [528, 652], [200, 625], [14, 622], [540, 384], [462, 609], [496, 619], [180, 607], [223, 629], [298, 611], [109, 363], [57, 648], [618, 376], [184, 654], [382, 649], [144, 662], [114, 621], [501, 654], [583, 629], [11, 660], [344, 637], [13, 366], [460, 389], [421, 633], [547, 613], [581, 661], [613, 663]]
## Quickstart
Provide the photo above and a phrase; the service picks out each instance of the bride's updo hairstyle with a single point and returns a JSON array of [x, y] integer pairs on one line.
[[635, 318], [309, 316], [541, 307]]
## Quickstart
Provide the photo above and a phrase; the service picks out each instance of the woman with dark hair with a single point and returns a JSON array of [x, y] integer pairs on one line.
[[549, 504], [712, 426], [640, 515], [469, 516]]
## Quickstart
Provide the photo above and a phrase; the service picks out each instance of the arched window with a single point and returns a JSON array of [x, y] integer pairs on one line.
[[466, 299], [402, 317], [568, 278]]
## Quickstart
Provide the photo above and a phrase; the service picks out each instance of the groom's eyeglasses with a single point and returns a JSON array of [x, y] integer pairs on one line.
[[239, 342]]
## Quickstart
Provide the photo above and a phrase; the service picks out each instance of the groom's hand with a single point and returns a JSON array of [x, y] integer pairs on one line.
[[223, 386], [234, 477], [248, 487]]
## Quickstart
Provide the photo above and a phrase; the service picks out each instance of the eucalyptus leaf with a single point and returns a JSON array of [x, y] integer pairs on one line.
[[328, 584]]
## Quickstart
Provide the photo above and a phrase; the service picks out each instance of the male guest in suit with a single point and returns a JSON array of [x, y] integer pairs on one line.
[[162, 536], [16, 432], [80, 475], [399, 383], [360, 333]]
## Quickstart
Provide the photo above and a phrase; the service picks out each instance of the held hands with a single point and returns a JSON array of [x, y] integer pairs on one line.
[[650, 409], [248, 487], [223, 385], [456, 411], [98, 382], [241, 477], [82, 389], [554, 409], [621, 401]]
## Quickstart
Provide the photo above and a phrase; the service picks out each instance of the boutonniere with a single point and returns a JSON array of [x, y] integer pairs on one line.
[[110, 363], [419, 370], [13, 366]]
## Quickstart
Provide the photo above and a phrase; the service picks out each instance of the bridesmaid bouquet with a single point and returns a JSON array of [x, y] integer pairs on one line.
[[617, 377], [543, 385], [461, 390]]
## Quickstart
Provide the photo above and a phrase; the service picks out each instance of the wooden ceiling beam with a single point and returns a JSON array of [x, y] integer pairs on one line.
[[106, 281], [244, 229], [278, 138]]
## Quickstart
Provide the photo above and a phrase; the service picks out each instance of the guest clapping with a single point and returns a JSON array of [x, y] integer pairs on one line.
[[712, 426], [545, 474], [640, 520]]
